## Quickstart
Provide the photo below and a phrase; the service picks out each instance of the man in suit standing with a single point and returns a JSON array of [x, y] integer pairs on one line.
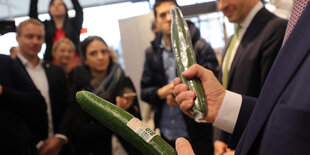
[[49, 79], [22, 110], [278, 121], [250, 53]]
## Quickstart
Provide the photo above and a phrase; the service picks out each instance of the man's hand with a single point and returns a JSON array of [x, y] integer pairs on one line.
[[171, 101], [1, 90], [229, 152], [51, 146], [213, 90], [164, 91], [219, 148], [183, 147], [124, 102]]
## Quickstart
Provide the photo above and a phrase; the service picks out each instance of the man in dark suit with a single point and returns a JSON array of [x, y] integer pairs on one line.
[[49, 79], [22, 110], [250, 53], [278, 121]]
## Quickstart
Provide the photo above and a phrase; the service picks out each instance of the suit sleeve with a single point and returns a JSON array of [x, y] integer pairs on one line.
[[25, 100], [271, 46], [33, 12], [78, 19], [245, 112]]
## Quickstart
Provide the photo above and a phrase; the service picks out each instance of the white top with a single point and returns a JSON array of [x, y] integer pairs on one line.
[[229, 111], [39, 78]]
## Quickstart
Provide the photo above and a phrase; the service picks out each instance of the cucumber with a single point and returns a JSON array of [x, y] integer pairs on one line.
[[124, 124], [185, 57]]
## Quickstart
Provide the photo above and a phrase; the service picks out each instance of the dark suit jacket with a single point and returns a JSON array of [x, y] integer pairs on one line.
[[22, 110], [58, 91], [255, 55], [279, 121]]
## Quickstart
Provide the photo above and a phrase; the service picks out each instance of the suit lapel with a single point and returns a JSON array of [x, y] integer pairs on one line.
[[286, 64]]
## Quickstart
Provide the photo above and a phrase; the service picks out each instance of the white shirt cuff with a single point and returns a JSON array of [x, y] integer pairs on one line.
[[62, 137], [229, 111]]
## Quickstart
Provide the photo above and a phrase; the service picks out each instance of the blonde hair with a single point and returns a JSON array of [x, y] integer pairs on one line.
[[64, 40], [28, 21]]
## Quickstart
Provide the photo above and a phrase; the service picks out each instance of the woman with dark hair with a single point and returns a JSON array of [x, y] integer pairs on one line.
[[100, 75], [60, 26]]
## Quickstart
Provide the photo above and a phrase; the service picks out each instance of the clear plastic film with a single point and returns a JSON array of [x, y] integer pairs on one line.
[[185, 57]]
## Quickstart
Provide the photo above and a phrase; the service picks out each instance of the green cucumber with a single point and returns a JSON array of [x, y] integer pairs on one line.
[[124, 124], [185, 57]]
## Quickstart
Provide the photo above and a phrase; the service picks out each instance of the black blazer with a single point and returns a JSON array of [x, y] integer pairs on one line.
[[254, 57], [278, 123], [58, 91], [256, 53], [22, 110]]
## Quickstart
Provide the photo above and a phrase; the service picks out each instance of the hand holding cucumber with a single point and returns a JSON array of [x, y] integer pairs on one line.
[[185, 57], [213, 90]]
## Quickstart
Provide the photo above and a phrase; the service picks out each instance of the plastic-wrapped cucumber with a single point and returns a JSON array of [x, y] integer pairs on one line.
[[185, 57], [124, 124]]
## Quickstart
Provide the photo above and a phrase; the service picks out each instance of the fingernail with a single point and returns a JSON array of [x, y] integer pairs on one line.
[[179, 140]]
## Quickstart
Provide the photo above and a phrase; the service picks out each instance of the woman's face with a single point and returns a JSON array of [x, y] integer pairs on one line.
[[97, 56], [64, 54], [57, 8]]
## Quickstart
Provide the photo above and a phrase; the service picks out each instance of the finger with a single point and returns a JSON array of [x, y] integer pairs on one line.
[[118, 99], [185, 106], [196, 70], [185, 95], [176, 81], [180, 88], [183, 147]]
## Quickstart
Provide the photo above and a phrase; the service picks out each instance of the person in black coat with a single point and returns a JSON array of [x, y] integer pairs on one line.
[[60, 26], [22, 110], [156, 83]]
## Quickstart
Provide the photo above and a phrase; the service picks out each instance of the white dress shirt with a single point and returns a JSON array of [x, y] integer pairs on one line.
[[39, 78]]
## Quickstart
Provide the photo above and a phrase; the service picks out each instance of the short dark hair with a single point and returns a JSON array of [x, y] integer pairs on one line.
[[158, 2], [84, 44]]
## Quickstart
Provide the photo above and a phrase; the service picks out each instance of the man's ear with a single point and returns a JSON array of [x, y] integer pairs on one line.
[[155, 21], [17, 39]]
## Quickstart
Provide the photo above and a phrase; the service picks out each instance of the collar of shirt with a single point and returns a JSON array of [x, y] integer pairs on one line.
[[163, 45], [26, 62], [248, 19]]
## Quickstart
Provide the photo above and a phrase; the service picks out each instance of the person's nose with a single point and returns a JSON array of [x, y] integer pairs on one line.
[[168, 17], [221, 4], [100, 56], [36, 40]]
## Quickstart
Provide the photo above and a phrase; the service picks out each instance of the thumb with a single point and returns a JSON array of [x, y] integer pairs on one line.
[[183, 147]]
